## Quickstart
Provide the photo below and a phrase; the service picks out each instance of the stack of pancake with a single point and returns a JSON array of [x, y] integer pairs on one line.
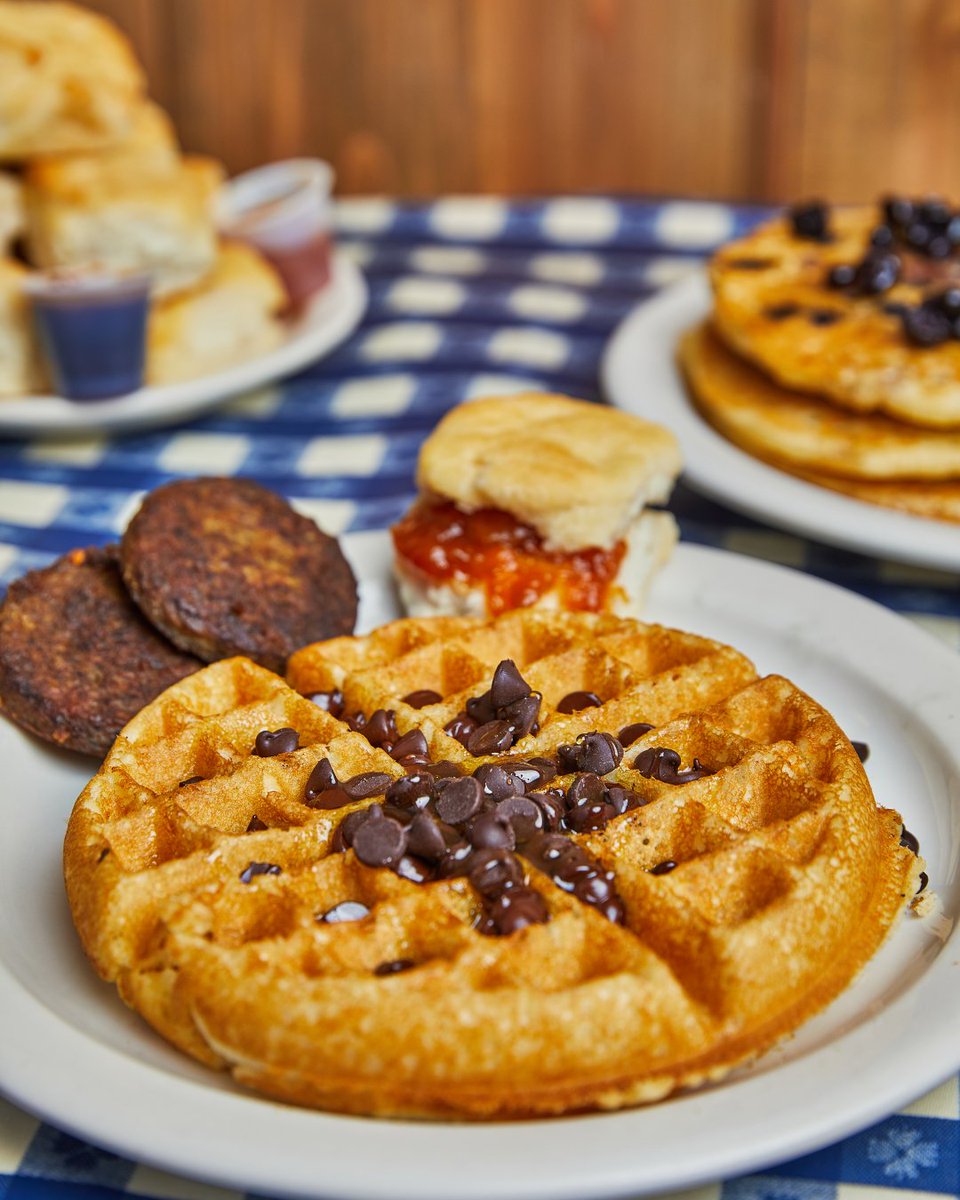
[[95, 178], [832, 351]]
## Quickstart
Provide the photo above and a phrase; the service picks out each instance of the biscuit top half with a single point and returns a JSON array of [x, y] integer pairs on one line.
[[577, 472]]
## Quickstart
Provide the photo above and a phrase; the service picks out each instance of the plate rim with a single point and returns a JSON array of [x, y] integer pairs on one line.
[[330, 317], [720, 470], [42, 1083]]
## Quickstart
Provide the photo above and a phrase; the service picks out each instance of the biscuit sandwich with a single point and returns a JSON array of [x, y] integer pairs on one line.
[[536, 500]]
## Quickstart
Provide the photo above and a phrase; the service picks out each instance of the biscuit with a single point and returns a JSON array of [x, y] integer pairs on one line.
[[11, 210], [339, 919], [790, 428], [578, 473], [138, 206], [69, 80], [224, 566], [21, 366], [773, 305], [77, 659], [232, 315]]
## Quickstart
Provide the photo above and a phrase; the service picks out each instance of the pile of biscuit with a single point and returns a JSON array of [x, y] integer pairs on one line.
[[833, 350], [93, 174]]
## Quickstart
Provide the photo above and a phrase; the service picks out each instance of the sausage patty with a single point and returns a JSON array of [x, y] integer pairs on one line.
[[224, 566], [77, 658]]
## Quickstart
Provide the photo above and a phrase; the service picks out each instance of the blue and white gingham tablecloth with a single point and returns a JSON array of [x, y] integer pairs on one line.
[[467, 296]]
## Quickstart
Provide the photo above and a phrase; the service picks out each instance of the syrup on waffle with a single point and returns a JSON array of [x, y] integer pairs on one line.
[[492, 868]]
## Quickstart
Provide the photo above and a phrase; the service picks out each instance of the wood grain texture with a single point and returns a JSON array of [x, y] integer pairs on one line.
[[764, 99]]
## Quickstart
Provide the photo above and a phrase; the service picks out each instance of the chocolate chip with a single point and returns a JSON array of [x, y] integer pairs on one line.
[[585, 789], [552, 807], [600, 753], [750, 264], [494, 871], [663, 868], [321, 779], [425, 838], [631, 733], [780, 312], [492, 738], [587, 817], [882, 235], [491, 831], [623, 799], [927, 326], [403, 815], [461, 727], [897, 210], [862, 750], [394, 967], [508, 684], [343, 834], [192, 779], [255, 825], [824, 316], [381, 728], [380, 843], [422, 698], [522, 715], [331, 702], [661, 763], [524, 815], [532, 771], [460, 800], [413, 743], [370, 783], [499, 782], [456, 860], [415, 869], [258, 868], [413, 791], [515, 909], [909, 840], [330, 799], [810, 221], [346, 910], [575, 701], [276, 741], [445, 769], [922, 883], [842, 275]]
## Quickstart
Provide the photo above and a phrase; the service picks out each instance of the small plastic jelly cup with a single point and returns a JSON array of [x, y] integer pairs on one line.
[[284, 211], [92, 328]]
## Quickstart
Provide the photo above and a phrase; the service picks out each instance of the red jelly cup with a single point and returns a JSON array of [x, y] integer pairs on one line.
[[92, 328], [284, 211]]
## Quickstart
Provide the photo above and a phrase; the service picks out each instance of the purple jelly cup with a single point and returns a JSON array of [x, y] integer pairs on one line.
[[93, 330], [284, 211]]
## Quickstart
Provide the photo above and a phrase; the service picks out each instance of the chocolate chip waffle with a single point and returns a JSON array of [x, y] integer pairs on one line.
[[535, 865]]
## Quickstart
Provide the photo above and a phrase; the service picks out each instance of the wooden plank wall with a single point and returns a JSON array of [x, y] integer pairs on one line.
[[765, 99]]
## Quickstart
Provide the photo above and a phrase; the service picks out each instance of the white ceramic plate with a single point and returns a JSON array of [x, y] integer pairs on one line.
[[73, 1054], [640, 374], [328, 319]]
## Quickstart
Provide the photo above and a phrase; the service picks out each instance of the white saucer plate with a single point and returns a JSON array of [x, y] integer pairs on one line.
[[74, 1055], [640, 374], [329, 318]]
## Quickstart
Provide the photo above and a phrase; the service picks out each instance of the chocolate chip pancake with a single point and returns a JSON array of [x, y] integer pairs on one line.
[[535, 865], [855, 305], [795, 430]]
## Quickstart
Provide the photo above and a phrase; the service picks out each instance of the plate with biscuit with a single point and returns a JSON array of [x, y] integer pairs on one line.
[[138, 285], [812, 376], [547, 886]]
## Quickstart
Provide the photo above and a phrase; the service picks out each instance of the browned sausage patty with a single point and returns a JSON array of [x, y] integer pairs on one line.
[[224, 566], [77, 659]]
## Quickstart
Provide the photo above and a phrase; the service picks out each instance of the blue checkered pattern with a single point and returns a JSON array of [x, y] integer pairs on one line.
[[467, 296]]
